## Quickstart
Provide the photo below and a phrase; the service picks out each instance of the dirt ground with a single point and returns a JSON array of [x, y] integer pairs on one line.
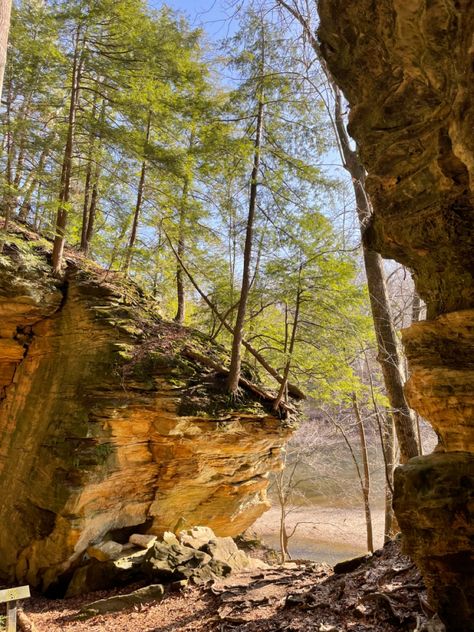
[[384, 593]]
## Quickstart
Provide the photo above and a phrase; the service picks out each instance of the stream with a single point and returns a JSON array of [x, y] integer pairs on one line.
[[308, 548], [325, 534]]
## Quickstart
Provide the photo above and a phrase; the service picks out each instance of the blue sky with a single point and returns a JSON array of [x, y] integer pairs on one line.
[[214, 16]]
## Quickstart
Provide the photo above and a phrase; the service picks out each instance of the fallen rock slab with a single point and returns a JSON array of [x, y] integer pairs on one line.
[[154, 592], [226, 551], [105, 550], [145, 541], [177, 562]]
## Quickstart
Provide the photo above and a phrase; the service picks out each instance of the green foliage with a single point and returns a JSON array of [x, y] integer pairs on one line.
[[140, 69], [28, 255]]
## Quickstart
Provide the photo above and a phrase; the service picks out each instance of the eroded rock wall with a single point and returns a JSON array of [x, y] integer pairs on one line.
[[406, 69], [104, 425]]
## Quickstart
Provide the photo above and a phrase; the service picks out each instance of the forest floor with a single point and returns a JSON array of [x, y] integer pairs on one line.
[[383, 592]]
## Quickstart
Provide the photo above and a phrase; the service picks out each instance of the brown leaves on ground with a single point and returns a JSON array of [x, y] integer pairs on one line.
[[384, 593]]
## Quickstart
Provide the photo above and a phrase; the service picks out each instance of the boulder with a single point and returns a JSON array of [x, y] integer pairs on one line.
[[169, 562], [173, 563], [96, 575], [196, 537], [225, 550]]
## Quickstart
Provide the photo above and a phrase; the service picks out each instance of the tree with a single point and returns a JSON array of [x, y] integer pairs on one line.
[[389, 354], [102, 54], [66, 170], [123, 62], [273, 110], [91, 184], [207, 144], [290, 487], [258, 72], [30, 121], [311, 298], [140, 191]]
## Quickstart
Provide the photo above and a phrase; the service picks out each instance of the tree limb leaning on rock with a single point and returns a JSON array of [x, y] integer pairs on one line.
[[293, 390]]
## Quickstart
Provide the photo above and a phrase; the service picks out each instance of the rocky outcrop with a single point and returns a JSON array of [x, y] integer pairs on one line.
[[406, 70], [109, 428], [441, 386], [434, 509]]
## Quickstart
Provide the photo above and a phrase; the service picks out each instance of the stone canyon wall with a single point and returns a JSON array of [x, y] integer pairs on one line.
[[107, 425], [406, 69]]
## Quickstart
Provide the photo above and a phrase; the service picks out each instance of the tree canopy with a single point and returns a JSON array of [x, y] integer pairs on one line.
[[202, 176]]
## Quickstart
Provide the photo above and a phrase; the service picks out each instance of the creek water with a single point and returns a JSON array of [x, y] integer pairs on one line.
[[324, 534], [309, 548]]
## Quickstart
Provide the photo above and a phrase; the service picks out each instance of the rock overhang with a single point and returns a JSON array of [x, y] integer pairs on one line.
[[107, 424]]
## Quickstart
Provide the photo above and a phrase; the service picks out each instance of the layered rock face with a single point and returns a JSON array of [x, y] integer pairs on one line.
[[406, 70], [106, 426]]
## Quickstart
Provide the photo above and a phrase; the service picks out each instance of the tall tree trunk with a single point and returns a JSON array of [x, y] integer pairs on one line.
[[285, 554], [180, 292], [283, 533], [289, 351], [365, 483], [387, 441], [9, 146], [235, 361], [138, 205], [66, 171], [92, 211], [87, 195], [92, 208], [5, 12], [388, 350], [388, 446], [385, 427], [389, 355]]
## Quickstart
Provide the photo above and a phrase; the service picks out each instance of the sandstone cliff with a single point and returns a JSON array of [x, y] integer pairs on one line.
[[406, 70], [108, 424]]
